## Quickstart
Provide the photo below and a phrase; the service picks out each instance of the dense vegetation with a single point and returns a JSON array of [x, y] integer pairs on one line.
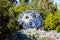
[[9, 12]]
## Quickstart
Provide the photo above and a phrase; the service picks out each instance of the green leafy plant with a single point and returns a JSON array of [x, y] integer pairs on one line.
[[49, 22], [58, 29]]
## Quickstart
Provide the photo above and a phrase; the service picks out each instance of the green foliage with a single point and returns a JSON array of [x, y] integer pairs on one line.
[[44, 7], [52, 21], [13, 2], [57, 13], [22, 8], [49, 22], [9, 14], [58, 29], [12, 24], [23, 2], [8, 18]]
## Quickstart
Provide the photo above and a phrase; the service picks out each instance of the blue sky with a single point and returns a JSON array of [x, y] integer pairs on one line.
[[18, 1], [58, 3]]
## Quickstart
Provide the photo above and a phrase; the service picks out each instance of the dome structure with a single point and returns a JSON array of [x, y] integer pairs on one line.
[[30, 19]]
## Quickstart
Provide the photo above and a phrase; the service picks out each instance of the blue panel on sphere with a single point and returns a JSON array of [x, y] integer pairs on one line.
[[30, 19]]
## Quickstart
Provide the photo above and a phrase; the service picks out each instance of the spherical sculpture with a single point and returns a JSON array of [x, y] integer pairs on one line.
[[30, 19]]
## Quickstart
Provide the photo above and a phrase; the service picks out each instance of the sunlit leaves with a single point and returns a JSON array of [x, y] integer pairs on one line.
[[50, 22], [57, 13], [22, 8], [58, 28], [44, 7]]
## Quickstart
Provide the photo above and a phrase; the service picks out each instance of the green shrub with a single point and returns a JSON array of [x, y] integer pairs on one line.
[[57, 13], [58, 29], [49, 22]]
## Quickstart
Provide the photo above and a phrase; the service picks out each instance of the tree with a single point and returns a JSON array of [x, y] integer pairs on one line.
[[22, 7], [8, 19], [58, 28], [57, 13], [49, 22], [13, 2], [44, 7]]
